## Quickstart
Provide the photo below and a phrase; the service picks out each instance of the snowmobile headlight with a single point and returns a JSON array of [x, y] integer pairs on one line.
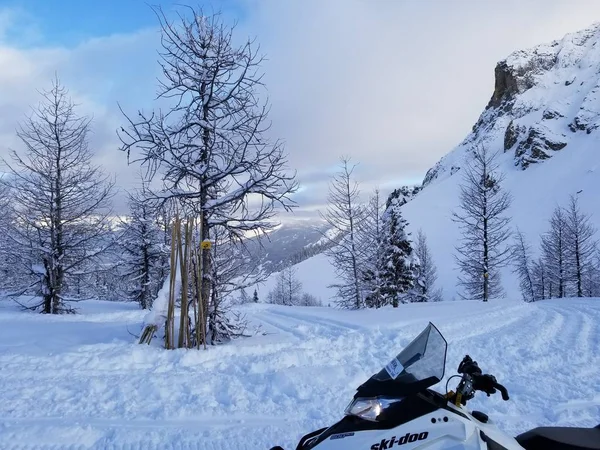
[[369, 408]]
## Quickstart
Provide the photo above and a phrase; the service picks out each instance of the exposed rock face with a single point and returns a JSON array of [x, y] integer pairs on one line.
[[543, 99]]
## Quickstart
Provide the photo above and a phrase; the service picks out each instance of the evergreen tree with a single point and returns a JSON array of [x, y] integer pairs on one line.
[[397, 261], [370, 238]]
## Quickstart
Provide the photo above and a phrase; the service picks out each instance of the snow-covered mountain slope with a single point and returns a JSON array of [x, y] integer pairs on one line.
[[80, 382], [545, 98], [542, 119], [290, 243]]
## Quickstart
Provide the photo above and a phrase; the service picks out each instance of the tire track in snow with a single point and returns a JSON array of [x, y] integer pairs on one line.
[[313, 319]]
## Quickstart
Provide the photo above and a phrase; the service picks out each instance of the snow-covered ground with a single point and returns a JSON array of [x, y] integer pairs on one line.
[[81, 381]]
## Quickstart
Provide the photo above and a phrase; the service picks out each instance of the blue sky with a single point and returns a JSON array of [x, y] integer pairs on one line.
[[393, 84], [68, 22]]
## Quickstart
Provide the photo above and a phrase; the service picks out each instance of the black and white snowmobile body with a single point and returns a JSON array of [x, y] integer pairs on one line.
[[395, 409]]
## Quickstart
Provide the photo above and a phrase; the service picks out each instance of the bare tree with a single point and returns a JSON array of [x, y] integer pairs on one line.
[[591, 277], [555, 255], [8, 259], [344, 215], [61, 201], [210, 147], [539, 276], [426, 273], [371, 238], [581, 245], [485, 227], [523, 267], [288, 289]]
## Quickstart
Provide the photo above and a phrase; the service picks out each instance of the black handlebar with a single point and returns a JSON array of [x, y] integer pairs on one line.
[[473, 380], [503, 391]]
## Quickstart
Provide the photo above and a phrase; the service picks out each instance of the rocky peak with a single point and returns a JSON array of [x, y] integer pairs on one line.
[[543, 98]]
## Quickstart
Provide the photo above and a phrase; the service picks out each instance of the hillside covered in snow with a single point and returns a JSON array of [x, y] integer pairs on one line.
[[542, 120]]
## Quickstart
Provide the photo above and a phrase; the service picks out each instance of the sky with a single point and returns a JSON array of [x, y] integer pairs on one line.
[[393, 84]]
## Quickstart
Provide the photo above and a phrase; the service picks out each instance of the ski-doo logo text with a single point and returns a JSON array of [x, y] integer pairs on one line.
[[389, 443]]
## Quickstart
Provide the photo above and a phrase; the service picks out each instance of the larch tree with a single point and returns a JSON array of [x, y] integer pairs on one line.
[[424, 289], [288, 288], [61, 202], [344, 216], [484, 225], [581, 245], [523, 268], [555, 254], [209, 148]]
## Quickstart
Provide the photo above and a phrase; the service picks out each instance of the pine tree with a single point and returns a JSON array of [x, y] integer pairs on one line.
[[555, 255], [398, 267], [581, 245], [425, 274], [485, 228]]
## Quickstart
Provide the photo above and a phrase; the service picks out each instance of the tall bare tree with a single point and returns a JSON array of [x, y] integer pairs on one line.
[[555, 255], [344, 215], [582, 247], [288, 288], [524, 267], [424, 289], [209, 147], [482, 219], [61, 201]]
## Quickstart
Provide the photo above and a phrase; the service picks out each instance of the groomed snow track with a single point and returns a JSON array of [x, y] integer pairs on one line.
[[78, 382]]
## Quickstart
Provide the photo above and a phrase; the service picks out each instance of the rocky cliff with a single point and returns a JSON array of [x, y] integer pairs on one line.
[[543, 98]]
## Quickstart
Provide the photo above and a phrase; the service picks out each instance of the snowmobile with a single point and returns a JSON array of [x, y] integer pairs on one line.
[[395, 409]]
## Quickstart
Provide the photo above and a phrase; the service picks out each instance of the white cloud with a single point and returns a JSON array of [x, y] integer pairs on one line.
[[393, 84]]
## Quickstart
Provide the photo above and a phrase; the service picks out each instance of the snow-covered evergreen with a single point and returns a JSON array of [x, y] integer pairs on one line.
[[144, 251], [397, 260]]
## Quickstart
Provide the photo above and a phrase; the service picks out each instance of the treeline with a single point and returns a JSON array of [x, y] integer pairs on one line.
[[375, 261], [204, 155]]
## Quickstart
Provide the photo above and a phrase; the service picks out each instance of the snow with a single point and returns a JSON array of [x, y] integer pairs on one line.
[[315, 274], [80, 381]]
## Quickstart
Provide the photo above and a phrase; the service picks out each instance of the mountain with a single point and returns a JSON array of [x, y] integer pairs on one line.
[[291, 243], [544, 99], [542, 119]]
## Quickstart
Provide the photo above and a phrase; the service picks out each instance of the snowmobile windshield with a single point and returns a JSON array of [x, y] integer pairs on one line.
[[420, 365]]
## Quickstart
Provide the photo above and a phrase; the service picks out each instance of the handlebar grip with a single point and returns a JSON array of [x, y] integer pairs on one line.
[[502, 390]]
